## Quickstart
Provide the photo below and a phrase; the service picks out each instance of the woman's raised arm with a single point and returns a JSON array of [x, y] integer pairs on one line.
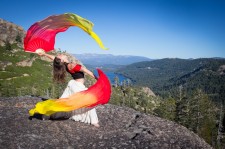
[[41, 52], [85, 70]]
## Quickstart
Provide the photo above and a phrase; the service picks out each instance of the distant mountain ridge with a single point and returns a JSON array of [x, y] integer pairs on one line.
[[166, 74], [109, 59]]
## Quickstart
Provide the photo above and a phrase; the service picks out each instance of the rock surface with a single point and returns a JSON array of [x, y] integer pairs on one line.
[[148, 91], [120, 127], [9, 32]]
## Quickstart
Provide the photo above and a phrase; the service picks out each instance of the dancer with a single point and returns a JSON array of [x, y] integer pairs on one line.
[[61, 65]]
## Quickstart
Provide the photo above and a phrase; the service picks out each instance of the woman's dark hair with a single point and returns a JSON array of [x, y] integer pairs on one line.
[[59, 70]]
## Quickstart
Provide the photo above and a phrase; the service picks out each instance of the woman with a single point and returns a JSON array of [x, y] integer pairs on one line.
[[61, 65]]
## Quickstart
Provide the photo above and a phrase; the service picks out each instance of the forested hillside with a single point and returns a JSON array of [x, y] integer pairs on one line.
[[168, 74]]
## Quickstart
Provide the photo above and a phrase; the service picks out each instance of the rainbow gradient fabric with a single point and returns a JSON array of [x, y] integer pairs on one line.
[[99, 93], [42, 34]]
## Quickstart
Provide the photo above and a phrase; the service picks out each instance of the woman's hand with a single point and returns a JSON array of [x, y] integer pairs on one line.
[[40, 52]]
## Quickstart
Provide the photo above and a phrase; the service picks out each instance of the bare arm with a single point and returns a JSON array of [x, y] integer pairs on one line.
[[52, 57], [83, 69], [41, 52]]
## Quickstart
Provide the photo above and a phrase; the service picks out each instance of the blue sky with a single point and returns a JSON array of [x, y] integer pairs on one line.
[[150, 28]]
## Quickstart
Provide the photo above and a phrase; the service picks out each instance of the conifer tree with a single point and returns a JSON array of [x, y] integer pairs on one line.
[[167, 109], [116, 81], [202, 116]]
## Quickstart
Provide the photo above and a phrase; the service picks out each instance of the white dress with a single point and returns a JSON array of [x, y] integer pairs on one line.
[[90, 116]]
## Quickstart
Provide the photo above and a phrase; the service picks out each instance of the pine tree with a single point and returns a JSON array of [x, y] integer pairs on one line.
[[116, 81], [202, 114], [220, 131], [182, 107], [167, 109]]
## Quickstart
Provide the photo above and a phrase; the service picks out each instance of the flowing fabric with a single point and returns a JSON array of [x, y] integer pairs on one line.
[[90, 116], [41, 35], [99, 93]]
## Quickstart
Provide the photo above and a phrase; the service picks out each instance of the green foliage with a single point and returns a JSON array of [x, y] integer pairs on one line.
[[18, 38], [19, 81], [8, 46], [133, 97], [167, 109], [6, 75], [194, 111], [116, 81], [202, 114]]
